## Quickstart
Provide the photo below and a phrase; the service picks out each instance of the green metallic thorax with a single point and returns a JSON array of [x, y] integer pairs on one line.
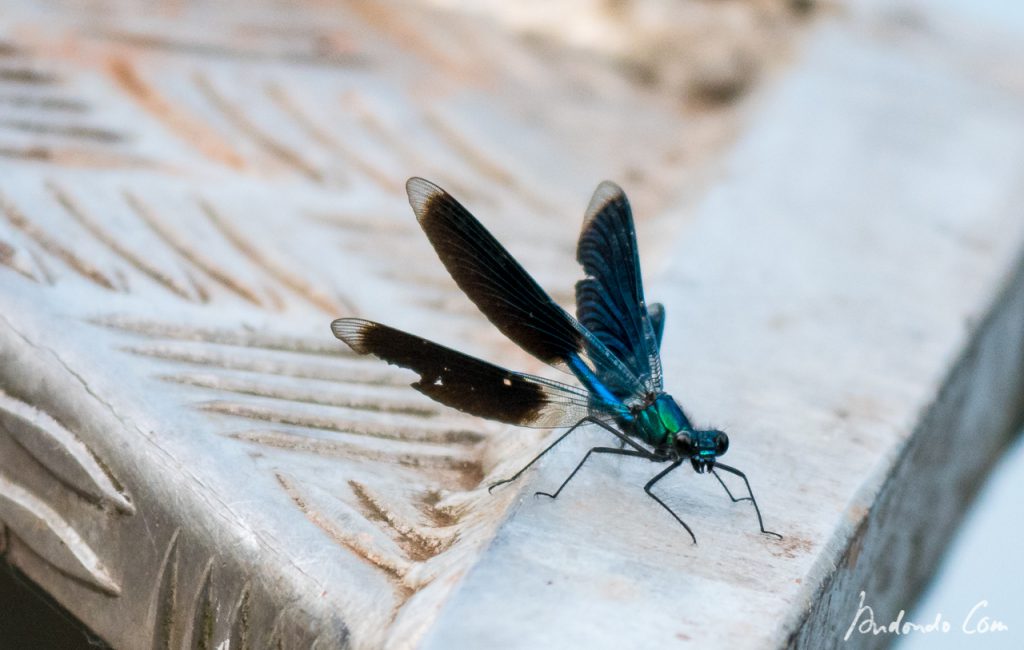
[[660, 421]]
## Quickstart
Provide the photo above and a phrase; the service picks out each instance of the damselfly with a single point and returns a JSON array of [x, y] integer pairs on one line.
[[612, 347]]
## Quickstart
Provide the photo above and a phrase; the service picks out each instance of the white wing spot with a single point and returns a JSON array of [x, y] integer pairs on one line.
[[506, 381]]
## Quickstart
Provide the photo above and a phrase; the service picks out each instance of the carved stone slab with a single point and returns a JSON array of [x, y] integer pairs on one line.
[[189, 195]]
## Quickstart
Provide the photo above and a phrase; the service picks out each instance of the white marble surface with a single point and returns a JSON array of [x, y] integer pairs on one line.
[[189, 195], [212, 465]]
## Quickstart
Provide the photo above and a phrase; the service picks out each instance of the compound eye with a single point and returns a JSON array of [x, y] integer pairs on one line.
[[721, 444]]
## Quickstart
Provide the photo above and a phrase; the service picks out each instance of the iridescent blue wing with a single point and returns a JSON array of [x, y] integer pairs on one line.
[[610, 300], [466, 383], [508, 296], [656, 312]]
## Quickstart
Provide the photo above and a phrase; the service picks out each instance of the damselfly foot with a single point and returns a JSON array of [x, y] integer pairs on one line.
[[490, 488]]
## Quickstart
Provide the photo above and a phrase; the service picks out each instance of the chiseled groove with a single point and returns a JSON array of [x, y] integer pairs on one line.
[[276, 301], [441, 282], [453, 304], [82, 158], [26, 76], [241, 617], [52, 246], [397, 571], [203, 612], [165, 598], [304, 395], [486, 165], [370, 371], [405, 454], [207, 50], [34, 153], [370, 120], [236, 116], [235, 337], [473, 154], [188, 127], [92, 133], [130, 256], [45, 103], [49, 276], [272, 413], [443, 516], [9, 257], [52, 538], [287, 104], [275, 640], [298, 284], [68, 459], [201, 289], [390, 21], [190, 253], [418, 547], [365, 224]]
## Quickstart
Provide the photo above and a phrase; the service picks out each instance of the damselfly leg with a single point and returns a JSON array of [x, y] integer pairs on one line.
[[597, 450], [650, 484], [726, 488], [733, 470], [621, 436]]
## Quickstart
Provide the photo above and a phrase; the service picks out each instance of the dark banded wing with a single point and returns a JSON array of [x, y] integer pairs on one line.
[[466, 383], [610, 300], [505, 292]]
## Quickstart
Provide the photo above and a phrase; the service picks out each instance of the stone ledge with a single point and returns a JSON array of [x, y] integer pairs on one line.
[[184, 446]]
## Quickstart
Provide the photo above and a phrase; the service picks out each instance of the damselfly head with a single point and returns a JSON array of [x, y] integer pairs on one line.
[[702, 448]]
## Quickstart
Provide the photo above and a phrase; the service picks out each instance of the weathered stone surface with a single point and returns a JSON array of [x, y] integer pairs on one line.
[[188, 197]]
